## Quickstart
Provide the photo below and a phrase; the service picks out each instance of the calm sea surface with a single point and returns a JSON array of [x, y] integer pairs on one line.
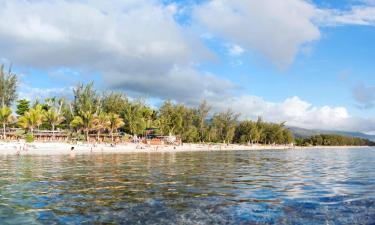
[[244, 187]]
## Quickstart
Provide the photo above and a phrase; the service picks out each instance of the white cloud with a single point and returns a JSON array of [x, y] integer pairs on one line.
[[235, 50], [34, 93], [296, 112], [358, 15], [186, 85], [132, 44], [139, 46], [276, 29]]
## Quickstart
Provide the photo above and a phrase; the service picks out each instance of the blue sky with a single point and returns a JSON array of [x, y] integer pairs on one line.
[[309, 63]]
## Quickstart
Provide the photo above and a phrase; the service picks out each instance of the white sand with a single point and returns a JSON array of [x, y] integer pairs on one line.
[[55, 148]]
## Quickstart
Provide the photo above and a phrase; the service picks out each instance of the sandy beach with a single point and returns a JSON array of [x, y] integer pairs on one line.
[[55, 148]]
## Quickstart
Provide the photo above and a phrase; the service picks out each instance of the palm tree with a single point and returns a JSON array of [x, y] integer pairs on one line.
[[101, 123], [86, 121], [6, 118], [115, 123], [54, 118], [32, 118]]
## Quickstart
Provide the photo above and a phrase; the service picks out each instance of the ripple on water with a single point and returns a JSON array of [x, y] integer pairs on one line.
[[277, 187]]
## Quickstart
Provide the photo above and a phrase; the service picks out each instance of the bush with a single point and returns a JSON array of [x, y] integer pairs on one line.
[[20, 133], [29, 137]]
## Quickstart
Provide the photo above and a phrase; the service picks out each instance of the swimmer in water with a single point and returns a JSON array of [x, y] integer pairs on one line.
[[72, 153]]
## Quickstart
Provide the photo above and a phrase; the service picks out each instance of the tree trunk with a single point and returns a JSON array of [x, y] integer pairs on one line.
[[4, 134], [112, 136], [87, 135], [99, 135], [53, 131]]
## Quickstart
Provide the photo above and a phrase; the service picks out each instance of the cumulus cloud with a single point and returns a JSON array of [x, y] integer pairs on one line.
[[139, 46], [297, 112], [133, 44], [186, 85], [276, 29]]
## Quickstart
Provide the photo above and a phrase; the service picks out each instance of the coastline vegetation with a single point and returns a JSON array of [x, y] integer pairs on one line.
[[333, 140], [93, 113]]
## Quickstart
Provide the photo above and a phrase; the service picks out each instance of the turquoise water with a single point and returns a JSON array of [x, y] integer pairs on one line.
[[244, 187]]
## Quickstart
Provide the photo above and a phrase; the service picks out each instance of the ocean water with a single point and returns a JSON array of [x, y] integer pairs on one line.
[[331, 186]]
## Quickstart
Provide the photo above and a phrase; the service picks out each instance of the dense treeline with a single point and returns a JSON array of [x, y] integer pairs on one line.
[[92, 112], [333, 140]]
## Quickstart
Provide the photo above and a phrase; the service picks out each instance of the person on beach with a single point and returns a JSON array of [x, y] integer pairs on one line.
[[72, 153]]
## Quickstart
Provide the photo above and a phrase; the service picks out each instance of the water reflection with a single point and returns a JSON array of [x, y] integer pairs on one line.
[[299, 187]]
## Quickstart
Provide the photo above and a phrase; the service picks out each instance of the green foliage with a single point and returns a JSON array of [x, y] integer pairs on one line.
[[224, 123], [137, 117], [6, 118], [86, 99], [29, 137], [32, 119], [114, 102], [170, 118], [333, 140], [115, 122], [23, 106], [262, 132], [19, 133], [91, 112], [201, 119], [247, 132], [86, 122], [8, 87], [101, 123], [53, 117]]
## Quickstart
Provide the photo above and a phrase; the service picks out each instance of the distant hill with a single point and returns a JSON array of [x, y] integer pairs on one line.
[[303, 133]]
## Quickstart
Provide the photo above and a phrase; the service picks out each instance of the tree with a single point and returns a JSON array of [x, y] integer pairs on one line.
[[149, 115], [225, 124], [23, 105], [134, 119], [247, 132], [32, 119], [54, 118], [189, 132], [288, 136], [114, 102], [85, 107], [101, 123], [115, 123], [8, 87], [6, 118], [201, 116], [86, 99], [170, 118], [85, 121]]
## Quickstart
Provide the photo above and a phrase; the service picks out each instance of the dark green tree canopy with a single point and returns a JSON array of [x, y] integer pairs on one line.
[[23, 105]]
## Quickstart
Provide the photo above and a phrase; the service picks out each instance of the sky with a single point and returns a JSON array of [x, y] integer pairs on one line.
[[309, 63]]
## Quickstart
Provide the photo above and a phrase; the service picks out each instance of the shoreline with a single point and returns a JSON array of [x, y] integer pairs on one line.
[[58, 148]]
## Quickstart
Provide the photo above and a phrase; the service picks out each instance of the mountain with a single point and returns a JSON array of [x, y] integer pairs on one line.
[[303, 133]]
